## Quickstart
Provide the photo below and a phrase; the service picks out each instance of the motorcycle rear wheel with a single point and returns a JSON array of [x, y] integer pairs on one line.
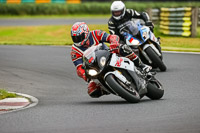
[[154, 92], [132, 97]]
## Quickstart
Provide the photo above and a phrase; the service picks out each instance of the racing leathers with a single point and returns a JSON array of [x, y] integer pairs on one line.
[[116, 26], [95, 37]]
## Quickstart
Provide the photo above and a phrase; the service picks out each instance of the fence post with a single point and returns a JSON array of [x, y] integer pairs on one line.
[[199, 17], [194, 21], [149, 11]]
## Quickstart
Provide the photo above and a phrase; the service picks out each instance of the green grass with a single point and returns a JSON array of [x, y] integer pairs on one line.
[[5, 94], [83, 8], [39, 35], [60, 35], [56, 16]]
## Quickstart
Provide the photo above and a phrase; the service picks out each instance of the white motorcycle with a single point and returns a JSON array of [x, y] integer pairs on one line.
[[119, 75]]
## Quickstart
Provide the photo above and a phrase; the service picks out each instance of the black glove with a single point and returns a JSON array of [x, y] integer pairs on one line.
[[150, 25]]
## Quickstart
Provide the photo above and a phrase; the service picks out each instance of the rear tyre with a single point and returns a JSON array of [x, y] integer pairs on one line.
[[155, 59], [130, 96], [154, 91]]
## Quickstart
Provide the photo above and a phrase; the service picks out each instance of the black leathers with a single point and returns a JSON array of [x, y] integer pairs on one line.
[[115, 26]]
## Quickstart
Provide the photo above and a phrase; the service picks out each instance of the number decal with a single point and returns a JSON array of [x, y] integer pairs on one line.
[[119, 61]]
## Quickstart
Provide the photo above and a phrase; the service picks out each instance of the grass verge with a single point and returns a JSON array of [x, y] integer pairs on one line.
[[5, 94], [83, 8], [56, 16], [60, 35]]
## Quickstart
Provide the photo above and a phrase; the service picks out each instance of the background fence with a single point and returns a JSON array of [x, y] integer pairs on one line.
[[199, 17], [177, 21]]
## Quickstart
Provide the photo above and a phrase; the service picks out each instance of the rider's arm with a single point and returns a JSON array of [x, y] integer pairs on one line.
[[111, 27], [81, 72], [134, 14], [76, 57], [144, 16], [113, 30], [102, 36]]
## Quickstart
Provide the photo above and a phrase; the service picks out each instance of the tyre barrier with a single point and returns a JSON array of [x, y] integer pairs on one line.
[[181, 21]]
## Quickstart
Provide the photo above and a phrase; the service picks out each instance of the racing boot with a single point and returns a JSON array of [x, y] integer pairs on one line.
[[126, 51], [95, 90], [138, 63]]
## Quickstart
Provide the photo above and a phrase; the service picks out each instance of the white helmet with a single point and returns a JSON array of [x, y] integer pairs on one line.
[[118, 10]]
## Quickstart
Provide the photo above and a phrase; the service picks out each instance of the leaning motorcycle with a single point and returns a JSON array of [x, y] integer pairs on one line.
[[140, 38], [119, 76]]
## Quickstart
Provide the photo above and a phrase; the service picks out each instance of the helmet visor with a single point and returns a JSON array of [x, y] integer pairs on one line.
[[77, 39], [117, 13]]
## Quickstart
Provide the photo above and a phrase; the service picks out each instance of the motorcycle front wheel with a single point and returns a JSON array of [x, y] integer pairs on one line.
[[119, 88], [155, 59]]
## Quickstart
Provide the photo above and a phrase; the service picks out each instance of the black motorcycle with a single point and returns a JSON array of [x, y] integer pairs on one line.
[[119, 75]]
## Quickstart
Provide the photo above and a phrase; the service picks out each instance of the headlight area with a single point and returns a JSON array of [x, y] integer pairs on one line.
[[103, 61], [92, 72], [144, 35]]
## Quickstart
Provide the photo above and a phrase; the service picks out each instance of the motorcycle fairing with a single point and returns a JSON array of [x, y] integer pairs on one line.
[[144, 32], [121, 62]]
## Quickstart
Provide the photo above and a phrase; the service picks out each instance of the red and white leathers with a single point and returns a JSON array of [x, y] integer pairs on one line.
[[96, 37]]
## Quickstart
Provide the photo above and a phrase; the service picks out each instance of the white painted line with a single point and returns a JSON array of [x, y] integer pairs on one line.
[[177, 52], [10, 107], [14, 100], [24, 101]]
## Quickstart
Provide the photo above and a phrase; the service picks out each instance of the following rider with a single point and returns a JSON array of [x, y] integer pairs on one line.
[[121, 15]]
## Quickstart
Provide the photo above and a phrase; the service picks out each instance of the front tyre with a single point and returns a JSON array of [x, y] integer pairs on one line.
[[130, 96], [155, 59]]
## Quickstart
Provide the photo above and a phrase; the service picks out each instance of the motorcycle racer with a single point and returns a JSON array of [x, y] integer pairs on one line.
[[83, 39], [121, 15]]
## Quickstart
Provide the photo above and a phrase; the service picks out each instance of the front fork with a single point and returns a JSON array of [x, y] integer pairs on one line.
[[145, 55], [119, 76]]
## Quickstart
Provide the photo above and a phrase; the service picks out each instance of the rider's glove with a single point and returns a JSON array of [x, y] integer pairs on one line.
[[84, 77], [150, 25], [81, 72], [114, 47]]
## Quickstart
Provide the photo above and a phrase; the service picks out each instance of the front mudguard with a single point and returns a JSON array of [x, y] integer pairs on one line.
[[114, 84], [145, 57], [153, 47]]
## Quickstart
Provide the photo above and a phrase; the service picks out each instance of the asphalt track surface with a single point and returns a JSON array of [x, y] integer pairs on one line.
[[47, 73], [49, 21]]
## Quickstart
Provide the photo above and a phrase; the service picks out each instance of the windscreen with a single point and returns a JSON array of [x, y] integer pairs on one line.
[[89, 54], [129, 27]]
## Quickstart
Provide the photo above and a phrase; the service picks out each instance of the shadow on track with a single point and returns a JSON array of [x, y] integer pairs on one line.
[[115, 102]]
